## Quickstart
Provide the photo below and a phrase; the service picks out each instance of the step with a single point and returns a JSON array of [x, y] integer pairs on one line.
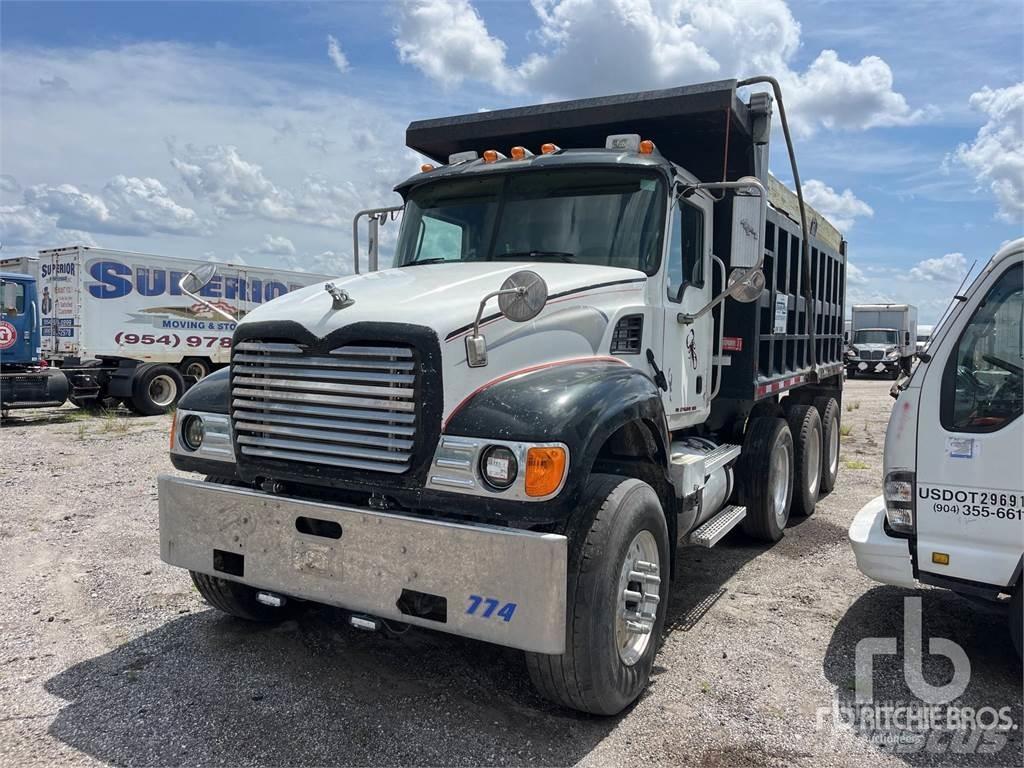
[[719, 457], [711, 532]]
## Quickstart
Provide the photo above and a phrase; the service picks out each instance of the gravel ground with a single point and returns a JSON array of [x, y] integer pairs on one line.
[[109, 656]]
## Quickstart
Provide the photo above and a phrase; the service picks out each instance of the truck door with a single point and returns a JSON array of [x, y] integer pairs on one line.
[[17, 323], [970, 483], [687, 353]]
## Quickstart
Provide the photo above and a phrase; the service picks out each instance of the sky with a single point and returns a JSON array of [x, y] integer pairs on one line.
[[253, 132]]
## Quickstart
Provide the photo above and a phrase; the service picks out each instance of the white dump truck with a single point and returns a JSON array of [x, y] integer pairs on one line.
[[952, 511], [114, 326], [883, 339], [607, 333]]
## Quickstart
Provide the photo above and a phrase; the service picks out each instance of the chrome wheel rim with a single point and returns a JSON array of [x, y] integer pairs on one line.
[[780, 484], [833, 448], [637, 603], [195, 369], [162, 390], [814, 463]]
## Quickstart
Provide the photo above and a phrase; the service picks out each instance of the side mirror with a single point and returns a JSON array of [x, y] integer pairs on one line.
[[197, 279], [747, 231], [746, 286], [520, 298]]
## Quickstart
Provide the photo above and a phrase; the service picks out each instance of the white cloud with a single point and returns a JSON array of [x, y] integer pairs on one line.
[[25, 229], [996, 156], [448, 41], [255, 139], [855, 275], [125, 206], [592, 47], [277, 245], [946, 269], [840, 208], [336, 55]]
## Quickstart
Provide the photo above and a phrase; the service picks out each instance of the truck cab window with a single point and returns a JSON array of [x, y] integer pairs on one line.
[[13, 295], [983, 382], [439, 240], [685, 257]]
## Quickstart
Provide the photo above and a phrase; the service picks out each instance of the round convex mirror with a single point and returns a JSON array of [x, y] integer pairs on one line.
[[745, 287], [526, 297], [195, 279]]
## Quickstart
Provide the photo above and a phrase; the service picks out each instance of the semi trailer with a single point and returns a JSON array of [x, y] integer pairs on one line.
[[952, 510], [98, 327], [608, 335]]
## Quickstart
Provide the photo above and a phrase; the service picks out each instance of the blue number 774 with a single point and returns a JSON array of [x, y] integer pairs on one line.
[[490, 604]]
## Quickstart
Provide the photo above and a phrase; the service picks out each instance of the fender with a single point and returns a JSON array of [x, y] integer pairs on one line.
[[577, 402], [211, 394]]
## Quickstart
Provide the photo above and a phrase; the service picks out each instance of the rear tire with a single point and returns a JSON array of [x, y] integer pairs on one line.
[[828, 410], [606, 664], [764, 475], [155, 389], [239, 599], [805, 426]]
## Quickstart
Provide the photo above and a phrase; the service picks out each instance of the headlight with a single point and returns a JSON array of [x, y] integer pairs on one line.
[[899, 501], [499, 467], [851, 352], [892, 354], [192, 432]]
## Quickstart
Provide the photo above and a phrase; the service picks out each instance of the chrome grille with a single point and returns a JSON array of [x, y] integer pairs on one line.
[[873, 354], [354, 406]]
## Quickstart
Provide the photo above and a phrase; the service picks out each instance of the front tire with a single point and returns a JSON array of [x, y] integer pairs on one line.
[[616, 600], [765, 478]]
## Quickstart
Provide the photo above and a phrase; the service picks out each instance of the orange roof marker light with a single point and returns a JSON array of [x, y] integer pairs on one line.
[[647, 147], [493, 156], [426, 167], [549, 149], [520, 153]]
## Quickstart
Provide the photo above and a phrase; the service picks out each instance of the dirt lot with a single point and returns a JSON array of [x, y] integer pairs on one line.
[[109, 656]]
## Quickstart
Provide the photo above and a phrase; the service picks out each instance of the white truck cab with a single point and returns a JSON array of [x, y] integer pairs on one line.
[[952, 513]]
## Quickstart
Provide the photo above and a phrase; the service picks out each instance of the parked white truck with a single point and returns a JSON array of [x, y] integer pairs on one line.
[[116, 325], [952, 512], [883, 339], [575, 366]]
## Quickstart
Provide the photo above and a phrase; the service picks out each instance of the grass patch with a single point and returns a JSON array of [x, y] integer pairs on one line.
[[854, 406], [855, 464], [114, 424], [845, 430]]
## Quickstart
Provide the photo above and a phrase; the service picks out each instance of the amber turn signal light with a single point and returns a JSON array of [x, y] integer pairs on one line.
[[426, 168], [548, 149], [174, 428], [646, 147], [545, 468]]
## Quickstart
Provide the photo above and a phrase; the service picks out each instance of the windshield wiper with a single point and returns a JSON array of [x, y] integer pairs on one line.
[[437, 260], [568, 258]]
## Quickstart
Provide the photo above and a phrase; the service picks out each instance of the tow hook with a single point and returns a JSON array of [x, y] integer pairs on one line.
[[365, 623]]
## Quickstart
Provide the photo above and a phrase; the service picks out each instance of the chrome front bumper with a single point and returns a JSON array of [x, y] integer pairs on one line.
[[479, 571]]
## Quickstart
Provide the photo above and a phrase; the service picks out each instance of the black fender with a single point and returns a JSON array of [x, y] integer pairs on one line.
[[580, 403], [211, 394]]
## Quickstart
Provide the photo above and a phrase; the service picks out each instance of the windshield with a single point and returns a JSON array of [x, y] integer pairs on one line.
[[606, 217], [874, 337]]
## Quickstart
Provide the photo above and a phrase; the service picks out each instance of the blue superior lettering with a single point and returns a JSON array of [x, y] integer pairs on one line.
[[114, 280]]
